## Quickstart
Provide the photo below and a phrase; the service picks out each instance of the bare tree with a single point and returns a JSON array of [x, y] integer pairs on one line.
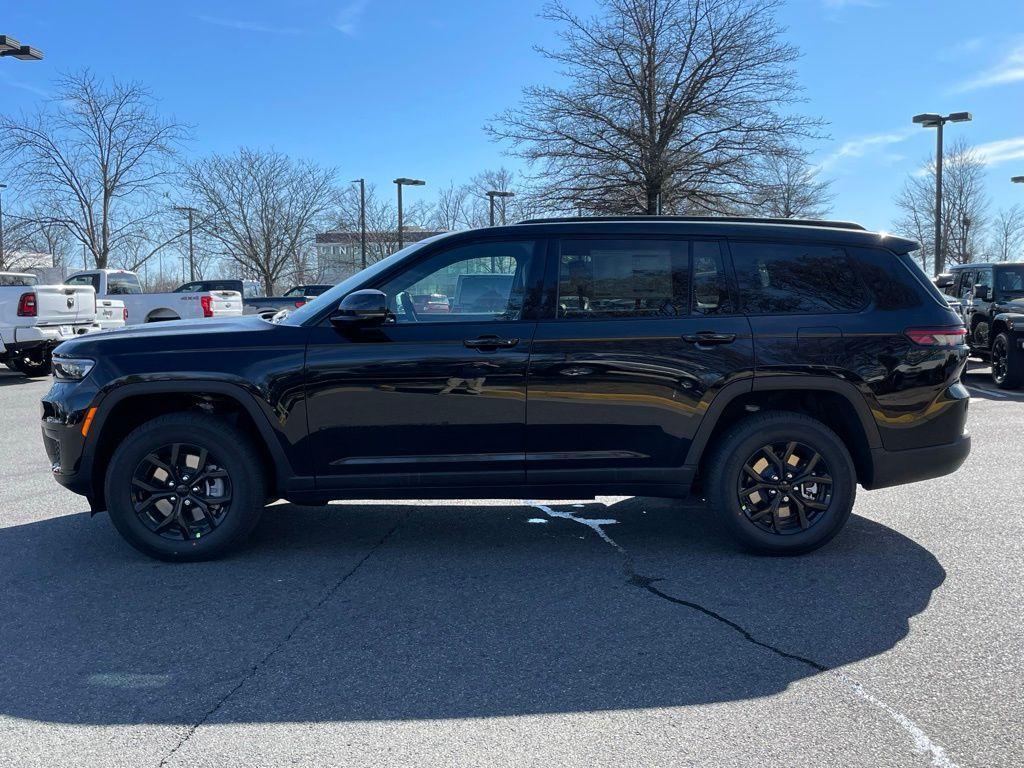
[[97, 154], [789, 187], [1007, 233], [262, 209], [964, 206], [669, 103]]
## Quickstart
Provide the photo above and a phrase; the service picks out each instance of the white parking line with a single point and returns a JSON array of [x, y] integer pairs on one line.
[[992, 392]]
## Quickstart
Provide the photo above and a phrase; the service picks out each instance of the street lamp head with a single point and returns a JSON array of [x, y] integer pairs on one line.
[[499, 193], [356, 181], [928, 119], [8, 44], [1017, 179], [410, 182], [959, 117]]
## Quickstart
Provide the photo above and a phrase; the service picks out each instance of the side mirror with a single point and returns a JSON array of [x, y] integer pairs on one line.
[[365, 307], [982, 292], [943, 281]]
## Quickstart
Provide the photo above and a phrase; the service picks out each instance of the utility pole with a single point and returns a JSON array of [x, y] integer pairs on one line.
[[3, 262], [362, 216], [187, 209]]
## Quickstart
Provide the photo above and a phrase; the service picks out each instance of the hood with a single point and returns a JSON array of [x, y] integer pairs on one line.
[[204, 334], [1014, 306]]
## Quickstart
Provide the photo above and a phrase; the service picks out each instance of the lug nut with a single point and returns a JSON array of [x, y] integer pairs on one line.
[[195, 489], [188, 503]]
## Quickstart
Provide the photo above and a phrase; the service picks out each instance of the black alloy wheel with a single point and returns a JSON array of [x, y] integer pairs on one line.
[[785, 488], [1000, 365], [181, 492]]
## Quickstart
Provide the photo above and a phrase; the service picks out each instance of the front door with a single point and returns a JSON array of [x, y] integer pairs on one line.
[[622, 374], [435, 397]]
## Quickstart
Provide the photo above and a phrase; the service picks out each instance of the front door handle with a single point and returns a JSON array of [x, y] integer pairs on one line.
[[490, 342], [707, 338]]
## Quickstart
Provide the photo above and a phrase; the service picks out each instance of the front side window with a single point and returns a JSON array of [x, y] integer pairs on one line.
[[796, 278], [967, 284], [985, 278], [478, 282], [600, 279]]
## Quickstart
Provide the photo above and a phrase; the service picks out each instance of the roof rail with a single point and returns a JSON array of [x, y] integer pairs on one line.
[[709, 219]]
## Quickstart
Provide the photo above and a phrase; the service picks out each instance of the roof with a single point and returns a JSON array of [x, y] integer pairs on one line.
[[844, 233]]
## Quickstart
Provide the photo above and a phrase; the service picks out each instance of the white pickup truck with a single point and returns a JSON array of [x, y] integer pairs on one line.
[[35, 318], [123, 285]]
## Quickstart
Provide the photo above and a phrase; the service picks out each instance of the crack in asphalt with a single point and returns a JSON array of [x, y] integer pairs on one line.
[[302, 620], [922, 743]]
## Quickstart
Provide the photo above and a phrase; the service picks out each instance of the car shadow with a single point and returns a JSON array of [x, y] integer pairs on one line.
[[10, 378], [386, 611], [978, 376]]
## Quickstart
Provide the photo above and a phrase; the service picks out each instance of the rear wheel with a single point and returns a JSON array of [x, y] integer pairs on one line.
[[783, 483], [185, 486], [1007, 362]]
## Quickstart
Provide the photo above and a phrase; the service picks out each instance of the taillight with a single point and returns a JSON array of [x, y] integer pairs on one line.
[[299, 303], [207, 302], [126, 315], [27, 305], [937, 337]]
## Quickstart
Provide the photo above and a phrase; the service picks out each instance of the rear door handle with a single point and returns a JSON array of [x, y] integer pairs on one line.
[[490, 342], [707, 338]]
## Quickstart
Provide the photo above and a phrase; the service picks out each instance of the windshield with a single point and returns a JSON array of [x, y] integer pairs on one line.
[[1010, 281], [333, 296]]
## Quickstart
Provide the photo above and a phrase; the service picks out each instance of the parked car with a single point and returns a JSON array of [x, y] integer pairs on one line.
[[122, 285], [992, 301], [773, 364], [253, 299], [35, 318]]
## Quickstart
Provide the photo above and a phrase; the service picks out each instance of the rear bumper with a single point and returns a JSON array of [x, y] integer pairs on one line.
[[29, 336], [916, 464]]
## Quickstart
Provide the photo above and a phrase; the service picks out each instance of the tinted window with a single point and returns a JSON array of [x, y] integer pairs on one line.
[[888, 280], [984, 277], [622, 278], [784, 278], [966, 284], [710, 288], [1010, 281], [17, 279], [470, 283], [189, 288]]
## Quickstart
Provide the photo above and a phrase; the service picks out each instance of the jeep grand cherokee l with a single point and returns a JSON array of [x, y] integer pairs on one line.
[[777, 364]]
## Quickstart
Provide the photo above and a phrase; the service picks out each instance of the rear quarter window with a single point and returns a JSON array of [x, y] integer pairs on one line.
[[796, 278], [891, 284]]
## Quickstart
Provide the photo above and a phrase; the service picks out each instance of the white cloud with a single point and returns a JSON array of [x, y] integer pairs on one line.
[[249, 26], [997, 152], [865, 145], [1009, 70], [346, 20]]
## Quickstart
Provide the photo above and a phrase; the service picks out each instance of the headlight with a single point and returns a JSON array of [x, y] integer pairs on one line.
[[71, 368]]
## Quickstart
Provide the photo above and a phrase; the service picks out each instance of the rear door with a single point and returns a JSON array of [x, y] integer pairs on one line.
[[631, 355]]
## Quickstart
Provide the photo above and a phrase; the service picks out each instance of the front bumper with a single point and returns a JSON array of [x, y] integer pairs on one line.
[[64, 409], [916, 464]]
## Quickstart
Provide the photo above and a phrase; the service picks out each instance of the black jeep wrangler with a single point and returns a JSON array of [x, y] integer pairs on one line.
[[778, 364], [992, 301]]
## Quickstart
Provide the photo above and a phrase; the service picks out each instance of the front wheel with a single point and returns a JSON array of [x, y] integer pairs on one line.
[[186, 486], [783, 483], [1007, 363]]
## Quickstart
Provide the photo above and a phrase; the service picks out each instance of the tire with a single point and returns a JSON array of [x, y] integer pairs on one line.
[[781, 530], [31, 366], [1007, 362], [164, 516]]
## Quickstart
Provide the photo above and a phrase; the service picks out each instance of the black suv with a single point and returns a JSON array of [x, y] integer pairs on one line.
[[992, 298], [775, 364]]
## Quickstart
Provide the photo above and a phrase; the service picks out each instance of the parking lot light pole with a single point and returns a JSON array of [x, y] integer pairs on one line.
[[362, 217], [11, 47], [937, 121], [493, 193], [191, 250], [2, 251], [403, 181]]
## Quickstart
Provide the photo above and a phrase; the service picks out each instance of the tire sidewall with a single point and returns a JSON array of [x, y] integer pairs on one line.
[[825, 442], [223, 443], [1014, 362]]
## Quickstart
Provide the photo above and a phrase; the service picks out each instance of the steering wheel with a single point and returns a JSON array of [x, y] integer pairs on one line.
[[410, 310]]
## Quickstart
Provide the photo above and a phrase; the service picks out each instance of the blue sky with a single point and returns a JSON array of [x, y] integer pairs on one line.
[[382, 89]]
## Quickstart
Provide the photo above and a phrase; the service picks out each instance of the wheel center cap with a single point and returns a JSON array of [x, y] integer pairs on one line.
[[182, 490]]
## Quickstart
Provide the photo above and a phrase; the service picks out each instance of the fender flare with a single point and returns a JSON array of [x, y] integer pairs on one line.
[[241, 394], [782, 382], [1014, 321]]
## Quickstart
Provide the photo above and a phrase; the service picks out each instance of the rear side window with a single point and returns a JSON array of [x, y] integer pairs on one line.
[[93, 280], [122, 283], [890, 283], [600, 279], [796, 278]]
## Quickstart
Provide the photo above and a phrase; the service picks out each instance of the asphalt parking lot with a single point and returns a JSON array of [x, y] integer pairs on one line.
[[612, 632]]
